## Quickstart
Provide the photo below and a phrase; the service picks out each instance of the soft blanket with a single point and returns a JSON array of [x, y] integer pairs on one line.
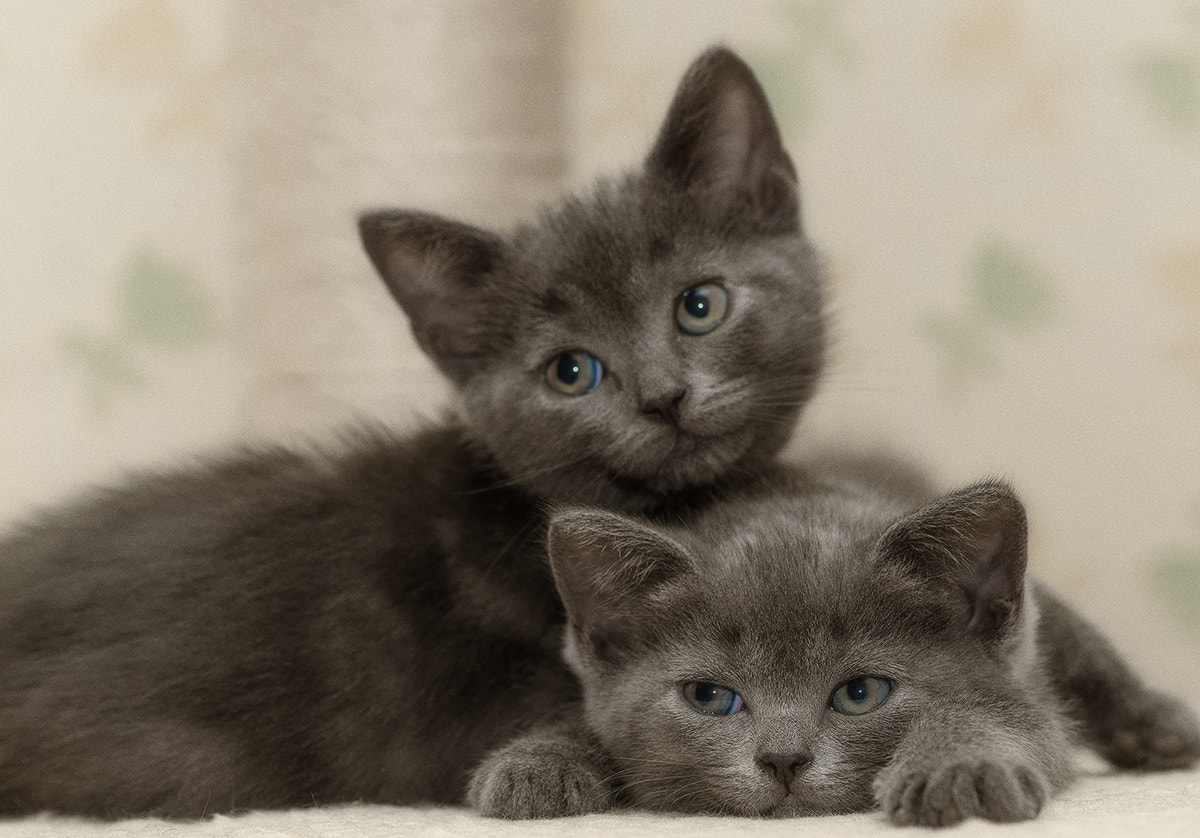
[[1101, 804]]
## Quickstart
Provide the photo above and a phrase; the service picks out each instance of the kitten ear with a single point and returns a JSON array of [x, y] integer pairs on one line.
[[436, 269], [720, 135], [972, 542], [611, 572]]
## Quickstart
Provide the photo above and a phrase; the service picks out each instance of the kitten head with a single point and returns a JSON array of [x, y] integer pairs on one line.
[[769, 659], [655, 335]]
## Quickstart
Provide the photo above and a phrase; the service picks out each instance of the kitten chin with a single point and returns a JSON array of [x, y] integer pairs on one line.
[[806, 803], [688, 467]]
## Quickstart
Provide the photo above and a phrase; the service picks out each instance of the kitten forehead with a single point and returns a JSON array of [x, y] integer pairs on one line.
[[792, 534], [793, 637], [607, 234], [780, 579]]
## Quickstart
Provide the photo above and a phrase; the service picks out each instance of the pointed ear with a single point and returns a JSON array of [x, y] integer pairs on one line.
[[719, 135], [436, 269], [972, 543], [612, 573]]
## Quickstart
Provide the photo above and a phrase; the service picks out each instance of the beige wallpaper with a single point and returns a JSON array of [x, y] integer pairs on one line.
[[1008, 193], [116, 270]]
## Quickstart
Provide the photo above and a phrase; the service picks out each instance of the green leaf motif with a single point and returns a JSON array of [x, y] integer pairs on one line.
[[787, 87], [106, 365], [1176, 581], [162, 304], [1010, 288], [1008, 291], [161, 308], [1171, 85], [815, 36], [819, 28], [963, 348]]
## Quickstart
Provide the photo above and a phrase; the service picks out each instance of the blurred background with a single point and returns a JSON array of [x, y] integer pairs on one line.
[[1007, 193]]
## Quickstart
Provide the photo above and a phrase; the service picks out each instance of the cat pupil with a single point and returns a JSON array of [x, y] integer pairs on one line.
[[860, 695], [568, 369], [574, 373]]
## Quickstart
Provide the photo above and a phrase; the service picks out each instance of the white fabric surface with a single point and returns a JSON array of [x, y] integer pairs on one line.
[[1101, 804]]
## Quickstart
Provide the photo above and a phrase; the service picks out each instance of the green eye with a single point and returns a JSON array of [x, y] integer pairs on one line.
[[701, 309], [574, 373], [860, 696], [712, 699]]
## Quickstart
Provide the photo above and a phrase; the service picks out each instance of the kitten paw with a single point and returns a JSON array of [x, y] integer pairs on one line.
[[538, 778], [1157, 734], [993, 790]]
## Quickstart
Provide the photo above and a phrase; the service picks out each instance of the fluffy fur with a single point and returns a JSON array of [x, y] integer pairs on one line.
[[281, 629], [783, 598], [278, 628]]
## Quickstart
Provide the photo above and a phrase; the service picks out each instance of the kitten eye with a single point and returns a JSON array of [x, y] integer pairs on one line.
[[711, 699], [701, 309], [574, 373], [860, 696]]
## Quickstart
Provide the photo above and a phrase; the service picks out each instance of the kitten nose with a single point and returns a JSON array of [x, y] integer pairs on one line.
[[665, 407], [785, 767]]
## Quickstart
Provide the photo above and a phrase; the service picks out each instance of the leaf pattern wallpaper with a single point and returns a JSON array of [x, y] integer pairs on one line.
[[1007, 194], [117, 349], [161, 308], [1009, 292]]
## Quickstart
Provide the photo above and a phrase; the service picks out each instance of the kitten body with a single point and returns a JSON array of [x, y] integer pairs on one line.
[[821, 648], [278, 628], [276, 631]]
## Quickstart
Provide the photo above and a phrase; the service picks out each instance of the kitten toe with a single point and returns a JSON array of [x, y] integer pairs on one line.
[[536, 778], [994, 791], [900, 797], [1157, 733]]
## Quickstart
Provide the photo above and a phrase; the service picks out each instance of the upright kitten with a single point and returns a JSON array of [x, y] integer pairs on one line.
[[651, 337], [821, 649], [279, 628]]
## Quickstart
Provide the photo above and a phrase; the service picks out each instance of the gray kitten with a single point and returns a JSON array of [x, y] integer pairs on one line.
[[820, 649], [649, 338], [279, 628]]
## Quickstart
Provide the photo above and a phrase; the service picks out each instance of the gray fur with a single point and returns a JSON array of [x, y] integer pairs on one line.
[[279, 629], [377, 621], [783, 596], [716, 201]]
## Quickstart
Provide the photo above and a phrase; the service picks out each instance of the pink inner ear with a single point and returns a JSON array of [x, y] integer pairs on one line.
[[428, 285], [744, 151], [428, 288], [732, 146], [406, 269]]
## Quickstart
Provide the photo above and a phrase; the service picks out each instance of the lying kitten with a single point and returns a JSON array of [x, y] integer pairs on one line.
[[820, 650], [278, 629]]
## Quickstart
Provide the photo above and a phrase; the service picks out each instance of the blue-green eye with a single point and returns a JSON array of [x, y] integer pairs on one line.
[[701, 309], [862, 695], [574, 373], [711, 699]]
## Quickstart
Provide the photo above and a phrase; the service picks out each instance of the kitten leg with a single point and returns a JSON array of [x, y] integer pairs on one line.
[[949, 769], [548, 773], [1129, 724]]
